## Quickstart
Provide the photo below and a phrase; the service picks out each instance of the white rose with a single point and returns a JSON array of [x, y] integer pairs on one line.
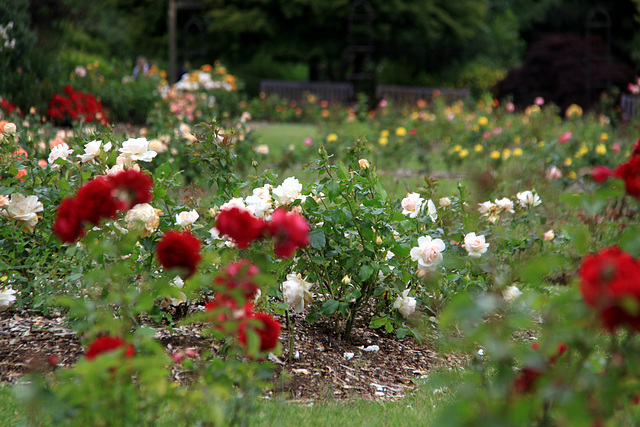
[[24, 209], [60, 151], [186, 218], [427, 253], [548, 236], [295, 291], [528, 199], [475, 245], [91, 151], [405, 304], [411, 205], [143, 217], [431, 210], [505, 204], [259, 207], [444, 202], [236, 202], [178, 283], [137, 149], [158, 146], [510, 293], [289, 191], [10, 128], [7, 298]]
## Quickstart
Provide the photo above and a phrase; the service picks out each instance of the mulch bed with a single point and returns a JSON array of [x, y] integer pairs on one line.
[[324, 367]]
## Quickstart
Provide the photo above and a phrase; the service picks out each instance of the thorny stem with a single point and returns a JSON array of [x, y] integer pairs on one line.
[[292, 337]]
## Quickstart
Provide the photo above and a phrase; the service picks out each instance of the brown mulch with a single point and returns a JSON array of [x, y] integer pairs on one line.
[[322, 367]]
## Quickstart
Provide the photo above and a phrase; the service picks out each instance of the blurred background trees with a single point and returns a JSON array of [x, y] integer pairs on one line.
[[439, 43]]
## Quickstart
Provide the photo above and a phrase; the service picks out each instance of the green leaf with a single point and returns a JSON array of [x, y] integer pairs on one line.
[[379, 193], [378, 322], [365, 272], [343, 172], [329, 307], [630, 240], [318, 238]]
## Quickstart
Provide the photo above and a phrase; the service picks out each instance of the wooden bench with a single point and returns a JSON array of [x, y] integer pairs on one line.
[[297, 91], [400, 95]]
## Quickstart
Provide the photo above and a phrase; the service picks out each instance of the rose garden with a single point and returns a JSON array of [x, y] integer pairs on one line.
[[187, 254]]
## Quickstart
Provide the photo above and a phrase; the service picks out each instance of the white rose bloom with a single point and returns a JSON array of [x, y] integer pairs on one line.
[[236, 202], [405, 304], [10, 128], [491, 211], [411, 205], [475, 245], [115, 170], [178, 283], [143, 217], [295, 291], [158, 146], [289, 191], [431, 210], [510, 293], [137, 149], [60, 151], [7, 298], [186, 218], [548, 236], [91, 151], [427, 253], [444, 202], [505, 204], [24, 209], [485, 207], [528, 199], [259, 207]]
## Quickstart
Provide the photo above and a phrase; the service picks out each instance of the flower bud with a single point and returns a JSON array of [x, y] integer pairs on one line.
[[213, 212], [379, 240], [10, 128], [444, 202], [548, 236], [346, 280], [364, 164], [421, 273]]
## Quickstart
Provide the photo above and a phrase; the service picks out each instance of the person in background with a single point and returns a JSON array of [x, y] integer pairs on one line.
[[141, 68]]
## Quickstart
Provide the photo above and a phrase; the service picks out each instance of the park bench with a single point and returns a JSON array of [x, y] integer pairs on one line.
[[400, 95], [629, 106], [297, 91]]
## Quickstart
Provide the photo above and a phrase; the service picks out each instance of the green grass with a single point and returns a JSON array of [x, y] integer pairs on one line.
[[279, 136], [418, 408]]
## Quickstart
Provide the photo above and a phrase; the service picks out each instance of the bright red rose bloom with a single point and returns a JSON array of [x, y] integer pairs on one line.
[[602, 173], [239, 225], [95, 201], [607, 279], [290, 231], [68, 225], [179, 250], [268, 331], [629, 172], [106, 344], [132, 188]]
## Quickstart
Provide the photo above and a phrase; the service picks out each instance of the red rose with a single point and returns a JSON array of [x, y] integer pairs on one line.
[[528, 377], [106, 344], [602, 173], [290, 231], [133, 188], [239, 225], [95, 201], [268, 331], [238, 275], [607, 279], [179, 250], [630, 173], [68, 226]]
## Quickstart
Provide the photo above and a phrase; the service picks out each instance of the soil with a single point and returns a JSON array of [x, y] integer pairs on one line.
[[324, 367]]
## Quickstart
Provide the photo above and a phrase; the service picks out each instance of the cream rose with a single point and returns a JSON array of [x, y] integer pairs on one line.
[[7, 297], [289, 191], [510, 293], [60, 151], [295, 291], [143, 217], [528, 199], [444, 202], [428, 253], [186, 218], [475, 245], [91, 151], [411, 205], [24, 209], [405, 304], [134, 149]]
